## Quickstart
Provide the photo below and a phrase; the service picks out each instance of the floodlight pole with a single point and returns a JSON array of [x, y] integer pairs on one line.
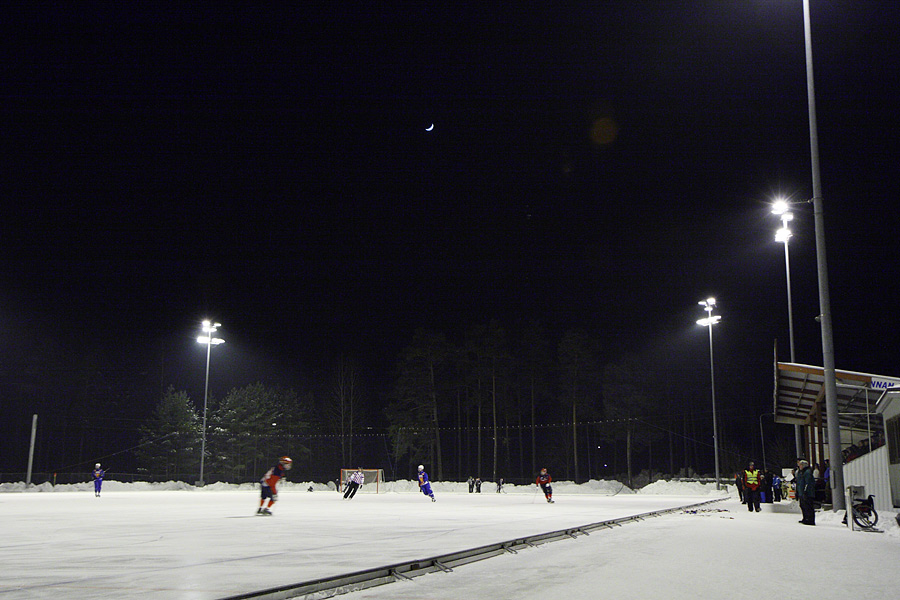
[[205, 398], [762, 438], [709, 321], [831, 407], [784, 235], [34, 420], [209, 340], [798, 431], [787, 270]]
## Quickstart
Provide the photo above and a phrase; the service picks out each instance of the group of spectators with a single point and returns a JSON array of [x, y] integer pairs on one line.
[[773, 488], [863, 447], [755, 486]]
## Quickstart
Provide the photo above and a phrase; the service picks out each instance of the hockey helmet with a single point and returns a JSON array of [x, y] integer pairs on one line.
[[543, 471], [421, 468], [97, 466], [286, 462]]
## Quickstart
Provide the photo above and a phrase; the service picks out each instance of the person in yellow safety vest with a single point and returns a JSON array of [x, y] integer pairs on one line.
[[752, 481]]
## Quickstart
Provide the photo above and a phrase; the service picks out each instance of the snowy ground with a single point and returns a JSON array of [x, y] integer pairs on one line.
[[156, 543]]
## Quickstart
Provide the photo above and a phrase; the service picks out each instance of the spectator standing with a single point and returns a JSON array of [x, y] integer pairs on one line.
[[478, 485], [752, 480], [471, 483], [767, 486], [739, 484], [776, 487], [806, 492]]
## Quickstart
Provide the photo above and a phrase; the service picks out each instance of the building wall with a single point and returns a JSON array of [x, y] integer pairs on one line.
[[871, 470], [892, 412]]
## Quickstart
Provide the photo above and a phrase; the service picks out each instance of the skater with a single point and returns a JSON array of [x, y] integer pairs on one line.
[[98, 479], [268, 483], [543, 480], [354, 483], [752, 481], [471, 483], [424, 485], [478, 485]]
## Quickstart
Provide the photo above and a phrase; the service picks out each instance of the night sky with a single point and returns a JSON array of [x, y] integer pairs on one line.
[[601, 165]]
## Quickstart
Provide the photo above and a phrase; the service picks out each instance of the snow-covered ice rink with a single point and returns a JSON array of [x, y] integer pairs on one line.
[[207, 543]]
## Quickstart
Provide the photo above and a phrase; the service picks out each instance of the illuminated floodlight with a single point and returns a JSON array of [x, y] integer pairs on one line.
[[783, 235], [780, 206]]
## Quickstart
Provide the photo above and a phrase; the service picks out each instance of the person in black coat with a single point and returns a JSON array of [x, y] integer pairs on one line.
[[806, 492]]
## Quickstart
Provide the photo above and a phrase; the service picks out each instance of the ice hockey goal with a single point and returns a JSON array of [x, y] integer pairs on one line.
[[373, 484]]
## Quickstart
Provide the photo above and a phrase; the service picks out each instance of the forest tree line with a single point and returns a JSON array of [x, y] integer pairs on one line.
[[486, 404]]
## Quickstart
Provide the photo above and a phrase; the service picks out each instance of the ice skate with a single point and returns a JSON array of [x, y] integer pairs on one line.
[[433, 499]]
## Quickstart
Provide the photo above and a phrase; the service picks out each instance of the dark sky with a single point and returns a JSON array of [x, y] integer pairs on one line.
[[602, 165]]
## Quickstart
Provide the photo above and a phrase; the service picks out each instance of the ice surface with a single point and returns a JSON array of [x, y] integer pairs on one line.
[[151, 542]]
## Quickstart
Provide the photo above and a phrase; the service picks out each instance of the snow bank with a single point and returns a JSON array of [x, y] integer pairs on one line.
[[607, 488], [597, 487], [143, 486], [684, 488]]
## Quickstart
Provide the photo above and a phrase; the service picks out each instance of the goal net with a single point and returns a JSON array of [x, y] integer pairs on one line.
[[373, 483]]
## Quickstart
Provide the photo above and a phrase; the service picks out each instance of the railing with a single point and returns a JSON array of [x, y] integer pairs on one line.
[[327, 587]]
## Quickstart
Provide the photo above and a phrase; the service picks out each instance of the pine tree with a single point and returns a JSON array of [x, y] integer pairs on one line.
[[170, 439]]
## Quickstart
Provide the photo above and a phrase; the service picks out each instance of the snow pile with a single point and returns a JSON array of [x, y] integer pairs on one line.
[[683, 488], [597, 487], [602, 487], [110, 485]]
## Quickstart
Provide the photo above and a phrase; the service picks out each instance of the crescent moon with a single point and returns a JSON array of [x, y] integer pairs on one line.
[[430, 127]]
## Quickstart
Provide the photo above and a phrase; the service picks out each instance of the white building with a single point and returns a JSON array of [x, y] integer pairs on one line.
[[869, 416]]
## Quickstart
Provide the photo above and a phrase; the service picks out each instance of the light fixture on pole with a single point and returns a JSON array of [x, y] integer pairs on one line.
[[210, 341], [781, 208], [709, 321]]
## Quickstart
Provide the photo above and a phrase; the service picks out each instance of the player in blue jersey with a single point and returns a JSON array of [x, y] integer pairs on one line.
[[98, 479], [424, 484]]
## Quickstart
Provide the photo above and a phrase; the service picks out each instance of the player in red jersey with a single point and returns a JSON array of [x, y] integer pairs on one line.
[[268, 484], [543, 480]]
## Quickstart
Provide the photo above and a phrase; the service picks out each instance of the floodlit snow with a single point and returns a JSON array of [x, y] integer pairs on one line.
[[176, 541]]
